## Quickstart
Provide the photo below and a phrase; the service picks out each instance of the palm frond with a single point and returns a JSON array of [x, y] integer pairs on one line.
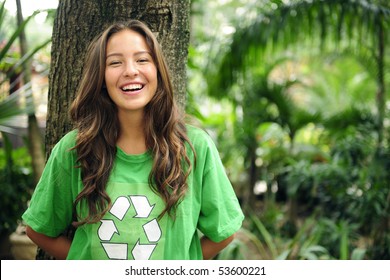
[[2, 13], [15, 35], [18, 103], [350, 117], [353, 22], [23, 60]]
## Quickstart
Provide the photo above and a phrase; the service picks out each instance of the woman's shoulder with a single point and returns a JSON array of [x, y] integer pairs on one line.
[[63, 153], [195, 132], [199, 137], [67, 142]]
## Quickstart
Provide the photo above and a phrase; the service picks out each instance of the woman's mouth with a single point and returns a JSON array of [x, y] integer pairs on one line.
[[132, 88]]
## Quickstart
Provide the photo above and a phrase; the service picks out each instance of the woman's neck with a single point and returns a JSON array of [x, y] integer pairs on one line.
[[132, 135]]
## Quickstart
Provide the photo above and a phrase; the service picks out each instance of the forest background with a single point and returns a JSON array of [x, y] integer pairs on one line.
[[294, 94]]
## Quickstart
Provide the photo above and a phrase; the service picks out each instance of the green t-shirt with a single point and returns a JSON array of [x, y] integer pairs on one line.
[[131, 228]]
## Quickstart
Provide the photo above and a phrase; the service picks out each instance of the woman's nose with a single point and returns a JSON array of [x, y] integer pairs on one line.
[[131, 69]]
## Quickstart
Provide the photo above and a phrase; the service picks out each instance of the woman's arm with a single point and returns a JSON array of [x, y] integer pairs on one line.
[[210, 248], [58, 247]]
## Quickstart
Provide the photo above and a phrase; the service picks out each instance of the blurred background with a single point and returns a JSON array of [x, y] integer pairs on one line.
[[294, 94]]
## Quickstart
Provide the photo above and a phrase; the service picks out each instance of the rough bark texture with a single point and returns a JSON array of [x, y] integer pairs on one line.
[[78, 22]]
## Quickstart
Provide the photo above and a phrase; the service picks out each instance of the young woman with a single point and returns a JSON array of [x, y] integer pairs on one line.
[[133, 178]]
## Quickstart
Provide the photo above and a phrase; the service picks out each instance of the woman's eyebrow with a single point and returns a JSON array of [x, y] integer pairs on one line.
[[137, 53], [113, 54]]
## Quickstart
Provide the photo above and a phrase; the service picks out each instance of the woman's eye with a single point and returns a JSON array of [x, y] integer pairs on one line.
[[143, 60], [114, 62]]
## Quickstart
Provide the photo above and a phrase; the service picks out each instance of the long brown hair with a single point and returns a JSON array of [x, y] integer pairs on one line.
[[95, 118]]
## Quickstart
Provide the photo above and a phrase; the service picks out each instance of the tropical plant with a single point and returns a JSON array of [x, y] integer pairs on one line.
[[21, 101], [16, 183], [354, 29], [315, 239], [9, 67], [338, 24]]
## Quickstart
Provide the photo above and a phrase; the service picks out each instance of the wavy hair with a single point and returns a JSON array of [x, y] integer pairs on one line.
[[95, 117]]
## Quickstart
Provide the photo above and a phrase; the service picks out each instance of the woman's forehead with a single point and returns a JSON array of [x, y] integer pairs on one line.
[[125, 41]]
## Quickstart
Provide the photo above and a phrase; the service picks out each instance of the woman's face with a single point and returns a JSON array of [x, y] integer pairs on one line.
[[130, 74]]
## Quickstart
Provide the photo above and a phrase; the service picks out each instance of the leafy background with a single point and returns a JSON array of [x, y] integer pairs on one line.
[[293, 92]]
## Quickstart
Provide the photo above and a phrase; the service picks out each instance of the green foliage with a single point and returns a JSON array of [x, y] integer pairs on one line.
[[20, 102], [9, 62], [299, 82], [234, 251], [16, 185], [280, 25], [304, 245], [16, 180], [316, 239], [11, 106]]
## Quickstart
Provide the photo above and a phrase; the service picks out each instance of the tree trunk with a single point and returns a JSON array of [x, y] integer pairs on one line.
[[35, 140], [250, 201], [78, 22], [381, 93]]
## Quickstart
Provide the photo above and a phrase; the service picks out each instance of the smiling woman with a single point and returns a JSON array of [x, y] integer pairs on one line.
[[131, 82], [133, 178], [131, 74]]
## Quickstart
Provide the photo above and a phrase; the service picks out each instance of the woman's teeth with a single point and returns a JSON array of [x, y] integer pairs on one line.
[[132, 87]]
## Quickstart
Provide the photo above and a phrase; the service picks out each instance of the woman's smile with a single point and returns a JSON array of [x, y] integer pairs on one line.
[[131, 74]]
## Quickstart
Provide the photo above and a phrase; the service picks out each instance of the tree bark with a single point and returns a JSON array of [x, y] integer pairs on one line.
[[78, 22]]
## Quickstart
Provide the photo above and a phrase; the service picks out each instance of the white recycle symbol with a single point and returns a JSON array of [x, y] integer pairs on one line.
[[108, 228]]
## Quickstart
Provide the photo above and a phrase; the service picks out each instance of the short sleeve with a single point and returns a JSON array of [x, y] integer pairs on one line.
[[50, 209], [221, 215]]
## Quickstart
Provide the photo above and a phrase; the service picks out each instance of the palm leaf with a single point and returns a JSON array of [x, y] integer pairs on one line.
[[266, 235], [23, 60], [296, 24], [14, 105], [2, 13], [350, 117], [15, 35]]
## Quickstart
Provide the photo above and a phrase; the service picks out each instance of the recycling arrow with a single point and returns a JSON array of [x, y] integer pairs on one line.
[[115, 251], [142, 251], [152, 230], [120, 207], [141, 205], [107, 229]]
